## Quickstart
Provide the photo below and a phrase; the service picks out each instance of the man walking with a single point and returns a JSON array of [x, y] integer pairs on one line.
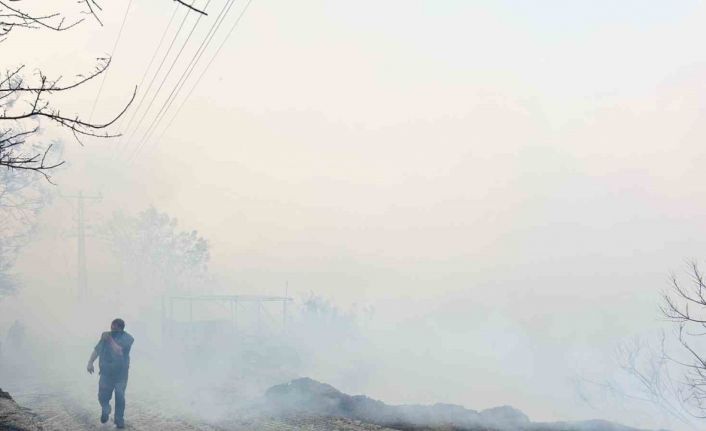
[[113, 349]]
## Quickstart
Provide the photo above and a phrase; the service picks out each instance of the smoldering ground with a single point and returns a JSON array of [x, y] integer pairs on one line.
[[209, 372], [502, 345]]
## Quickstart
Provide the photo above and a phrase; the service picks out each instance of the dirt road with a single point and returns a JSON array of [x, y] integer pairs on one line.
[[59, 409]]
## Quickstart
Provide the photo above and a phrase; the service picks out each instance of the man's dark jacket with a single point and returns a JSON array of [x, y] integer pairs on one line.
[[111, 362]]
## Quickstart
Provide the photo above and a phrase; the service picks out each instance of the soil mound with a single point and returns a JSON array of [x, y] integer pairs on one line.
[[14, 417], [308, 397]]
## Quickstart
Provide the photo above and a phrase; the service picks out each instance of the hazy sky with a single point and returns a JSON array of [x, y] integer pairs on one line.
[[531, 169]]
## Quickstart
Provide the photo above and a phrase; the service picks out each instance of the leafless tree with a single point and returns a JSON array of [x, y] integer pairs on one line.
[[656, 377], [23, 104], [13, 16], [646, 377], [22, 197], [24, 101], [685, 305], [157, 253], [671, 376]]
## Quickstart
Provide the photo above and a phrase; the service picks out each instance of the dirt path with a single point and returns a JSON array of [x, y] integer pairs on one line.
[[59, 410]]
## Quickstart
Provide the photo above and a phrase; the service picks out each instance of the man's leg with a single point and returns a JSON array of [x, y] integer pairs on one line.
[[105, 393], [120, 387]]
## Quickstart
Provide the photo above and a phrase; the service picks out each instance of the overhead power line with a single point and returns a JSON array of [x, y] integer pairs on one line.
[[154, 77], [164, 79], [115, 47], [203, 72], [144, 75], [188, 71]]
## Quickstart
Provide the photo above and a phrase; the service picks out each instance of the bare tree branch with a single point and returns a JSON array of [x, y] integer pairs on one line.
[[13, 17], [21, 101], [92, 6], [685, 304]]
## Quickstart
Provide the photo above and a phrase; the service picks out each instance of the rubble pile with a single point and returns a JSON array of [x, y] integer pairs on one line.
[[14, 417], [309, 397], [302, 404]]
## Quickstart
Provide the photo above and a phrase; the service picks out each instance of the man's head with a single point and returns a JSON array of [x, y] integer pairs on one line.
[[117, 325]]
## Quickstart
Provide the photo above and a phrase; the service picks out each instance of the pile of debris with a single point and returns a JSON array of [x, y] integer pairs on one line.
[[311, 398], [14, 417], [303, 404]]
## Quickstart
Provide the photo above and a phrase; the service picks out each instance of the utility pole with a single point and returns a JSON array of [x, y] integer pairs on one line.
[[81, 271]]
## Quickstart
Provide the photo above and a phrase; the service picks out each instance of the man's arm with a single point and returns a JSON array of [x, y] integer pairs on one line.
[[91, 360], [104, 338]]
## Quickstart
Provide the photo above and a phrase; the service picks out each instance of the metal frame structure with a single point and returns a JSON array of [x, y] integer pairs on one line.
[[168, 314]]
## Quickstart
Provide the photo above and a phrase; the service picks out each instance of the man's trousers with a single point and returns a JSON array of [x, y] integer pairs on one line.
[[106, 385]]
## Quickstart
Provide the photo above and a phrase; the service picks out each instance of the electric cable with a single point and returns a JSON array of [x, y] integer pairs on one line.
[[203, 72], [164, 79], [154, 77], [115, 47], [189, 70]]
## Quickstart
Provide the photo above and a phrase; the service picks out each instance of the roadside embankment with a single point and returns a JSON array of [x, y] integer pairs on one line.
[[16, 418]]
